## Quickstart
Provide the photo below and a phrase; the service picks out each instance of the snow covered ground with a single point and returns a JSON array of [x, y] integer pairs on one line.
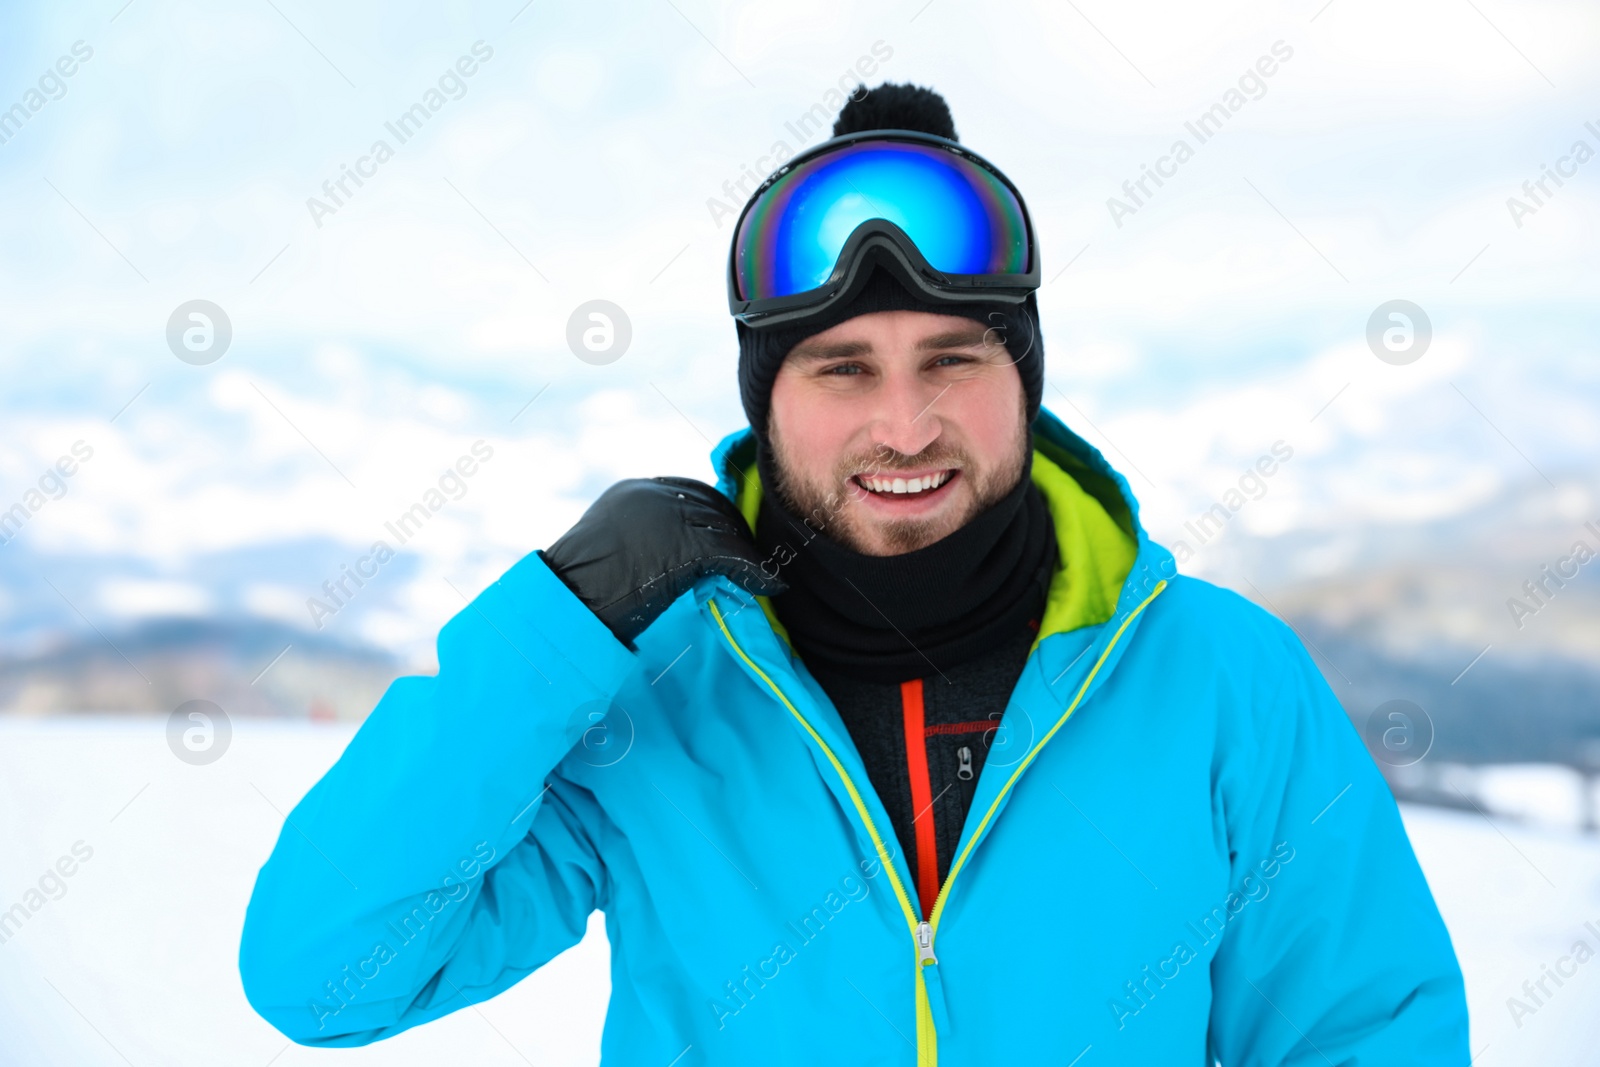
[[130, 959], [1516, 899], [136, 963]]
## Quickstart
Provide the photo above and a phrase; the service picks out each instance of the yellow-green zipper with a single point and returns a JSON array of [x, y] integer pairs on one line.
[[922, 932], [927, 1051], [961, 860]]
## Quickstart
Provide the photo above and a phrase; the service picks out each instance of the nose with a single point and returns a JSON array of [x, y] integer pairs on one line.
[[907, 418]]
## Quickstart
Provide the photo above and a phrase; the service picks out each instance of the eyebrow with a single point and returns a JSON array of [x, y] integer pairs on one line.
[[811, 352]]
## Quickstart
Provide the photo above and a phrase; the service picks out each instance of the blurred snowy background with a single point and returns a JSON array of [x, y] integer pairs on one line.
[[1422, 535]]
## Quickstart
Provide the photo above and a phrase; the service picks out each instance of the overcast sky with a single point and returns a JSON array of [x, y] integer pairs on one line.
[[374, 344]]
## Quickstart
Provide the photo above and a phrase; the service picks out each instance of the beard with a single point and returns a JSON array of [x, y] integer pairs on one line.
[[824, 502]]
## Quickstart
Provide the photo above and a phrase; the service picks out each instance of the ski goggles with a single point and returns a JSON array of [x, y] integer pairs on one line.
[[945, 220]]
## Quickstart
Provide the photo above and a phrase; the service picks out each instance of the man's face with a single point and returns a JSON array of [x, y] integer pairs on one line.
[[932, 404]]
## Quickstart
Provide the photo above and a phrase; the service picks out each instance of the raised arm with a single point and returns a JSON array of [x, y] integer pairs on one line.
[[437, 862], [440, 860]]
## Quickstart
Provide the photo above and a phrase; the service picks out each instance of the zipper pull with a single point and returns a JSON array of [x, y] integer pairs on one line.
[[925, 954], [932, 984], [964, 772]]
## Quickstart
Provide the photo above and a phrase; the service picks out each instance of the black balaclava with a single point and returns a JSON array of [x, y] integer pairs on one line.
[[890, 618]]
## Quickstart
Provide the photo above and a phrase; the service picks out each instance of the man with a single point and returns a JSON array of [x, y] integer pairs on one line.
[[943, 760]]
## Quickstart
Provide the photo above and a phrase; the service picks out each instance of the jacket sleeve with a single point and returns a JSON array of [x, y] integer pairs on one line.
[[1334, 951], [439, 861]]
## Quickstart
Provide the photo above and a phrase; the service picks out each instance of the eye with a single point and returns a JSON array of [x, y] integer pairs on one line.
[[952, 360], [843, 369]]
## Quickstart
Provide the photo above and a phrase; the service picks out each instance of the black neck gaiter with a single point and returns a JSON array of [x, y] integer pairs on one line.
[[892, 618]]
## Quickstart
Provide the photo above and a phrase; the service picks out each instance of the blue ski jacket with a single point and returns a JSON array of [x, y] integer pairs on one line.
[[1179, 851]]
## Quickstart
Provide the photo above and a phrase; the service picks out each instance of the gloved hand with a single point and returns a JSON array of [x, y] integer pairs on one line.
[[645, 541]]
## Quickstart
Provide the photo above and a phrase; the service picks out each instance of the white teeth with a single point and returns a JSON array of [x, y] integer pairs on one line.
[[901, 485]]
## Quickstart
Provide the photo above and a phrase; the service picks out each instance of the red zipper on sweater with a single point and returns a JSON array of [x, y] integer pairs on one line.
[[917, 732], [921, 792]]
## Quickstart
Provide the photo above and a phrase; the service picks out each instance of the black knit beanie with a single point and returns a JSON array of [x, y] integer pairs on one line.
[[762, 349]]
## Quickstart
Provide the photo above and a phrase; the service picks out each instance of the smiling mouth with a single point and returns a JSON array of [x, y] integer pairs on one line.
[[900, 486]]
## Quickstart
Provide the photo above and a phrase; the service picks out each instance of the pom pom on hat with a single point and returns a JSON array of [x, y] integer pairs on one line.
[[897, 107]]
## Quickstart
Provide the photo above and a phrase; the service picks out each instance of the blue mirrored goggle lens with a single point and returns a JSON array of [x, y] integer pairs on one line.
[[962, 218]]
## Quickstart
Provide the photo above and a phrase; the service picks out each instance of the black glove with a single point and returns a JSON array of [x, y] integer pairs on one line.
[[645, 541]]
